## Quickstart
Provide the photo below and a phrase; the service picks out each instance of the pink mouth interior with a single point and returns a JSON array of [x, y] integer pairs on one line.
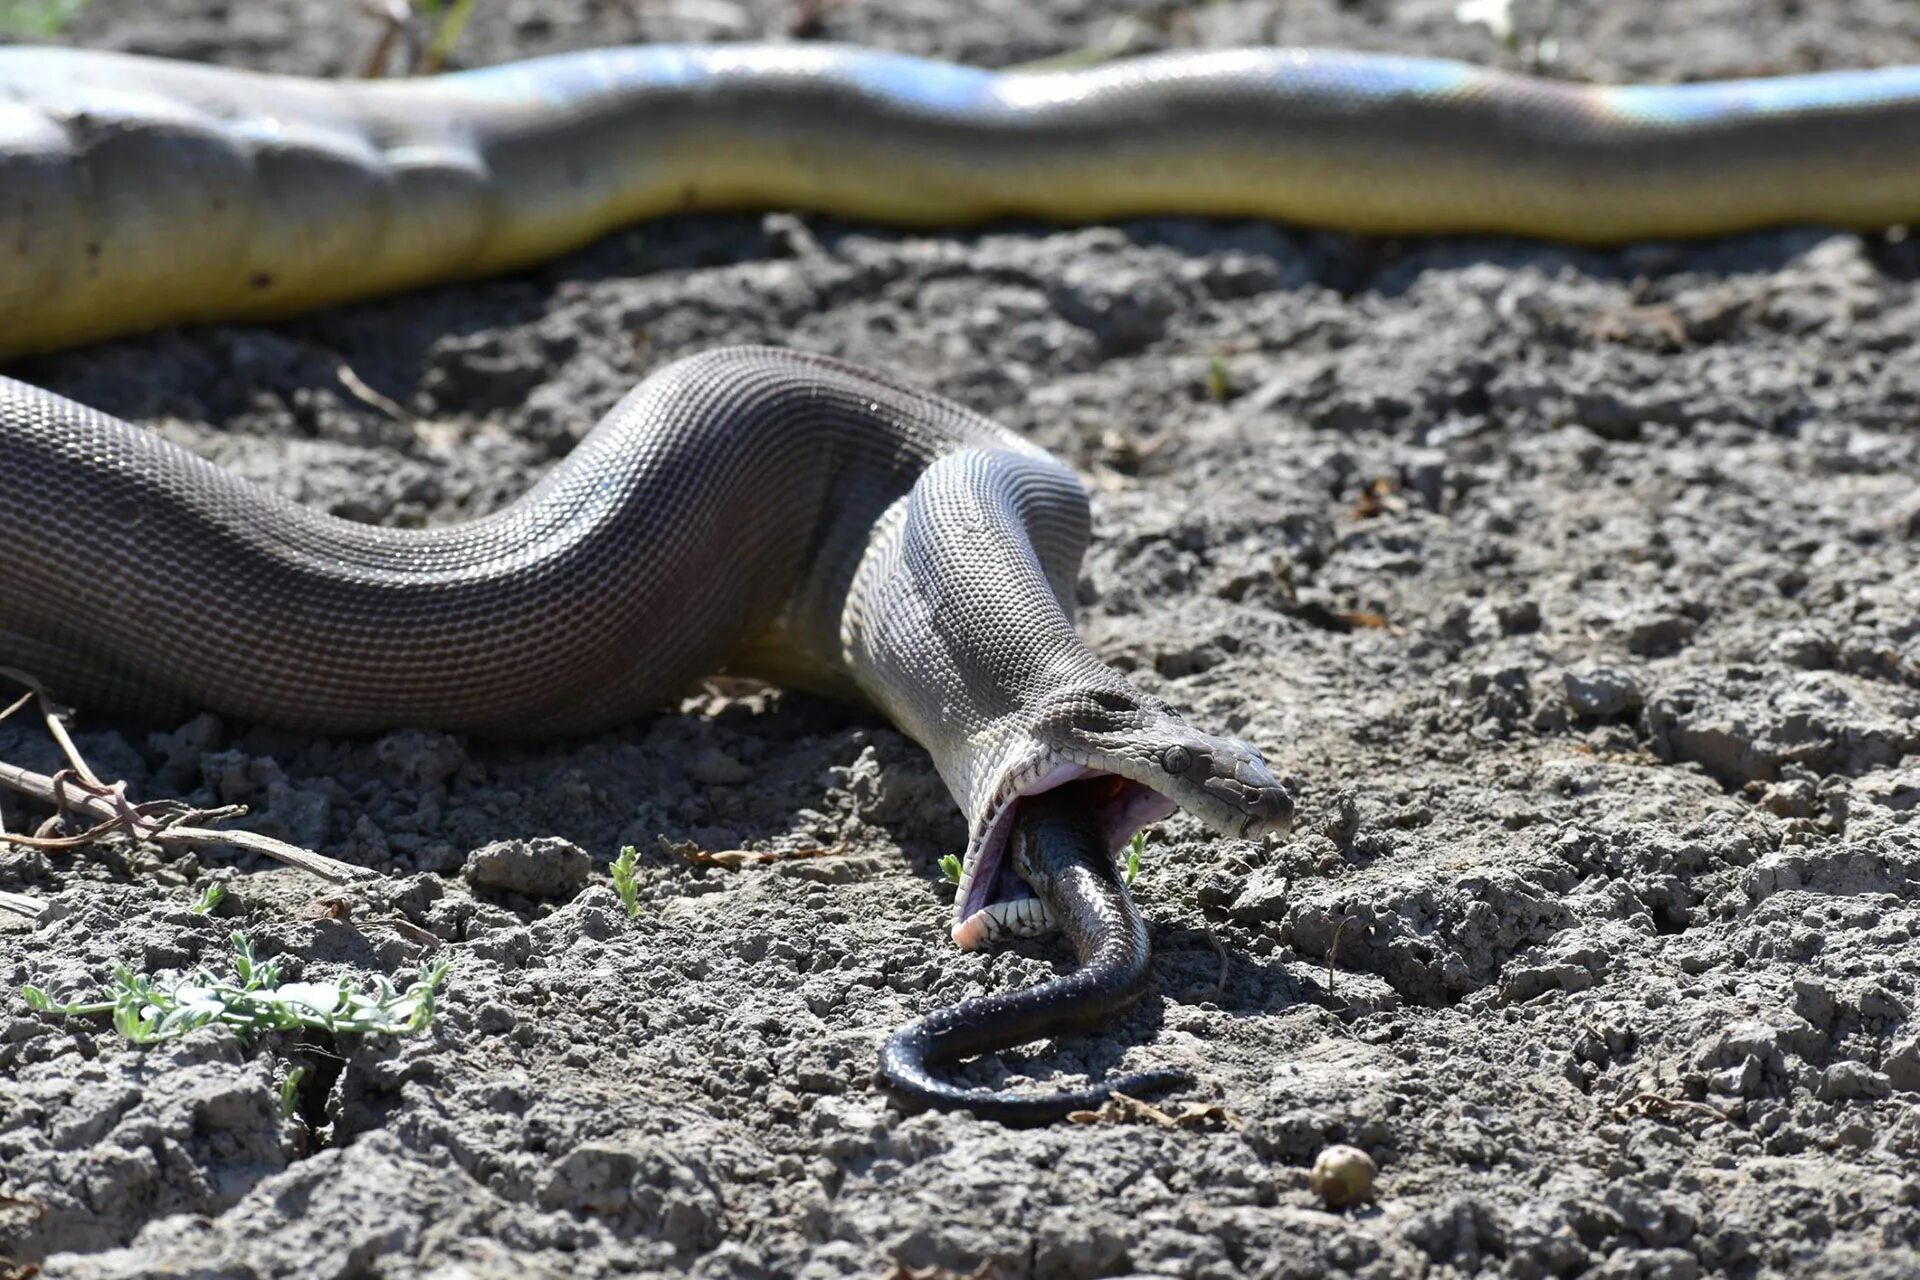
[[1122, 806]]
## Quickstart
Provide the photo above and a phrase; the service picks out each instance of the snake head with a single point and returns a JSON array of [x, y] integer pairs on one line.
[[1151, 763]]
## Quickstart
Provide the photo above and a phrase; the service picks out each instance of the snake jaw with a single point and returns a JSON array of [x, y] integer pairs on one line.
[[978, 915], [992, 903], [1156, 765]]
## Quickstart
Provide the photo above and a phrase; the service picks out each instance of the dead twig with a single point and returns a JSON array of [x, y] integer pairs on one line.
[[734, 859], [393, 15], [367, 395], [1655, 1106], [1333, 951], [76, 790], [1226, 962], [1122, 1108], [24, 905], [337, 906]]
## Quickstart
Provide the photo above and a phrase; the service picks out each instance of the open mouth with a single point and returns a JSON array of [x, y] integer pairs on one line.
[[991, 890]]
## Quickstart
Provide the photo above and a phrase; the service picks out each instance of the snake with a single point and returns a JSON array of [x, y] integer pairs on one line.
[[753, 510], [139, 192], [1059, 850]]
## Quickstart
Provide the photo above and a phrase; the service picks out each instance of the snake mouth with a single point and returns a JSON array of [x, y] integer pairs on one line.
[[993, 900]]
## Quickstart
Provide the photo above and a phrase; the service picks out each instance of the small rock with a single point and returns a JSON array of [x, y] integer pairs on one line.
[[1657, 634], [1903, 1065], [1343, 819], [1425, 473], [546, 867], [1342, 1176], [1845, 1080], [1792, 799], [1802, 647], [1600, 693], [1518, 617], [1264, 896]]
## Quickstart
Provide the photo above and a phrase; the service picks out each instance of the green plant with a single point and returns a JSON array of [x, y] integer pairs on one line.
[[624, 882], [37, 19], [950, 865], [146, 1009], [209, 899], [1217, 384], [448, 18], [290, 1091]]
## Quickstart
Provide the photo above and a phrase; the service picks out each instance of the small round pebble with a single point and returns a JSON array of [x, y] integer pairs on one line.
[[1601, 692], [1342, 1176]]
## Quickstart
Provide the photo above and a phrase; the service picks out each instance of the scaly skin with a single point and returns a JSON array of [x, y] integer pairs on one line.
[[761, 511], [136, 192], [1060, 851]]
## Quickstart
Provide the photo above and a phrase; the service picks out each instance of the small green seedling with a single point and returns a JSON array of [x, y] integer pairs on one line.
[[1135, 847], [950, 865], [209, 899], [624, 882], [447, 18], [1217, 386], [37, 19], [290, 1091], [146, 1009]]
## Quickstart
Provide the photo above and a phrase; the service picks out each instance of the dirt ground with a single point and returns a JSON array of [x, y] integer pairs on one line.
[[1578, 592]]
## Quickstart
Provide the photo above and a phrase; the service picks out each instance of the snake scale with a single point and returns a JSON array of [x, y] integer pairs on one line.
[[757, 510]]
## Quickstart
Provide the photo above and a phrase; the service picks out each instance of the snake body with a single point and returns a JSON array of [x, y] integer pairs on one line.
[[755, 510], [1060, 851], [137, 192], [762, 511]]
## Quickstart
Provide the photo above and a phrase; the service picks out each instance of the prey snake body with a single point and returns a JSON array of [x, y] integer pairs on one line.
[[1060, 851], [758, 510]]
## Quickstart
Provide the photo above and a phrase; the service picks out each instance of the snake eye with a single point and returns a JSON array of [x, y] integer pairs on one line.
[[1176, 760]]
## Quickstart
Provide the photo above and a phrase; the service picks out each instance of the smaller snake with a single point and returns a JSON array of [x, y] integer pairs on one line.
[[1059, 850]]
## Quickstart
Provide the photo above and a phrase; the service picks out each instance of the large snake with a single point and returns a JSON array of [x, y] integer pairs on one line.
[[137, 193], [763, 511]]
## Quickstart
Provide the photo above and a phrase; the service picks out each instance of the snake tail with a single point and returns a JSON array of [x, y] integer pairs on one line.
[[1058, 847]]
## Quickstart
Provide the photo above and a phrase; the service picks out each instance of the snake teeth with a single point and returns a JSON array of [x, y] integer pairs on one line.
[[977, 918]]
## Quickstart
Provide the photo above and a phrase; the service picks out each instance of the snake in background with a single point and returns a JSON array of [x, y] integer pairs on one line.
[[785, 515]]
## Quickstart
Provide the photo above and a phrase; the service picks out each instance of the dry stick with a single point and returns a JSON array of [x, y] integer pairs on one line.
[[24, 905], [146, 822], [393, 18], [163, 822], [1333, 951], [1226, 962]]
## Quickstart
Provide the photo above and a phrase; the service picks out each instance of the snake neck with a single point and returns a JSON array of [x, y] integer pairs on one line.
[[958, 625]]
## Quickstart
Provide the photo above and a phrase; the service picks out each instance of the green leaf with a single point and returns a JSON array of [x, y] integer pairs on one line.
[[950, 867], [37, 19], [209, 899], [625, 882], [146, 1009], [290, 1091], [1217, 386]]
